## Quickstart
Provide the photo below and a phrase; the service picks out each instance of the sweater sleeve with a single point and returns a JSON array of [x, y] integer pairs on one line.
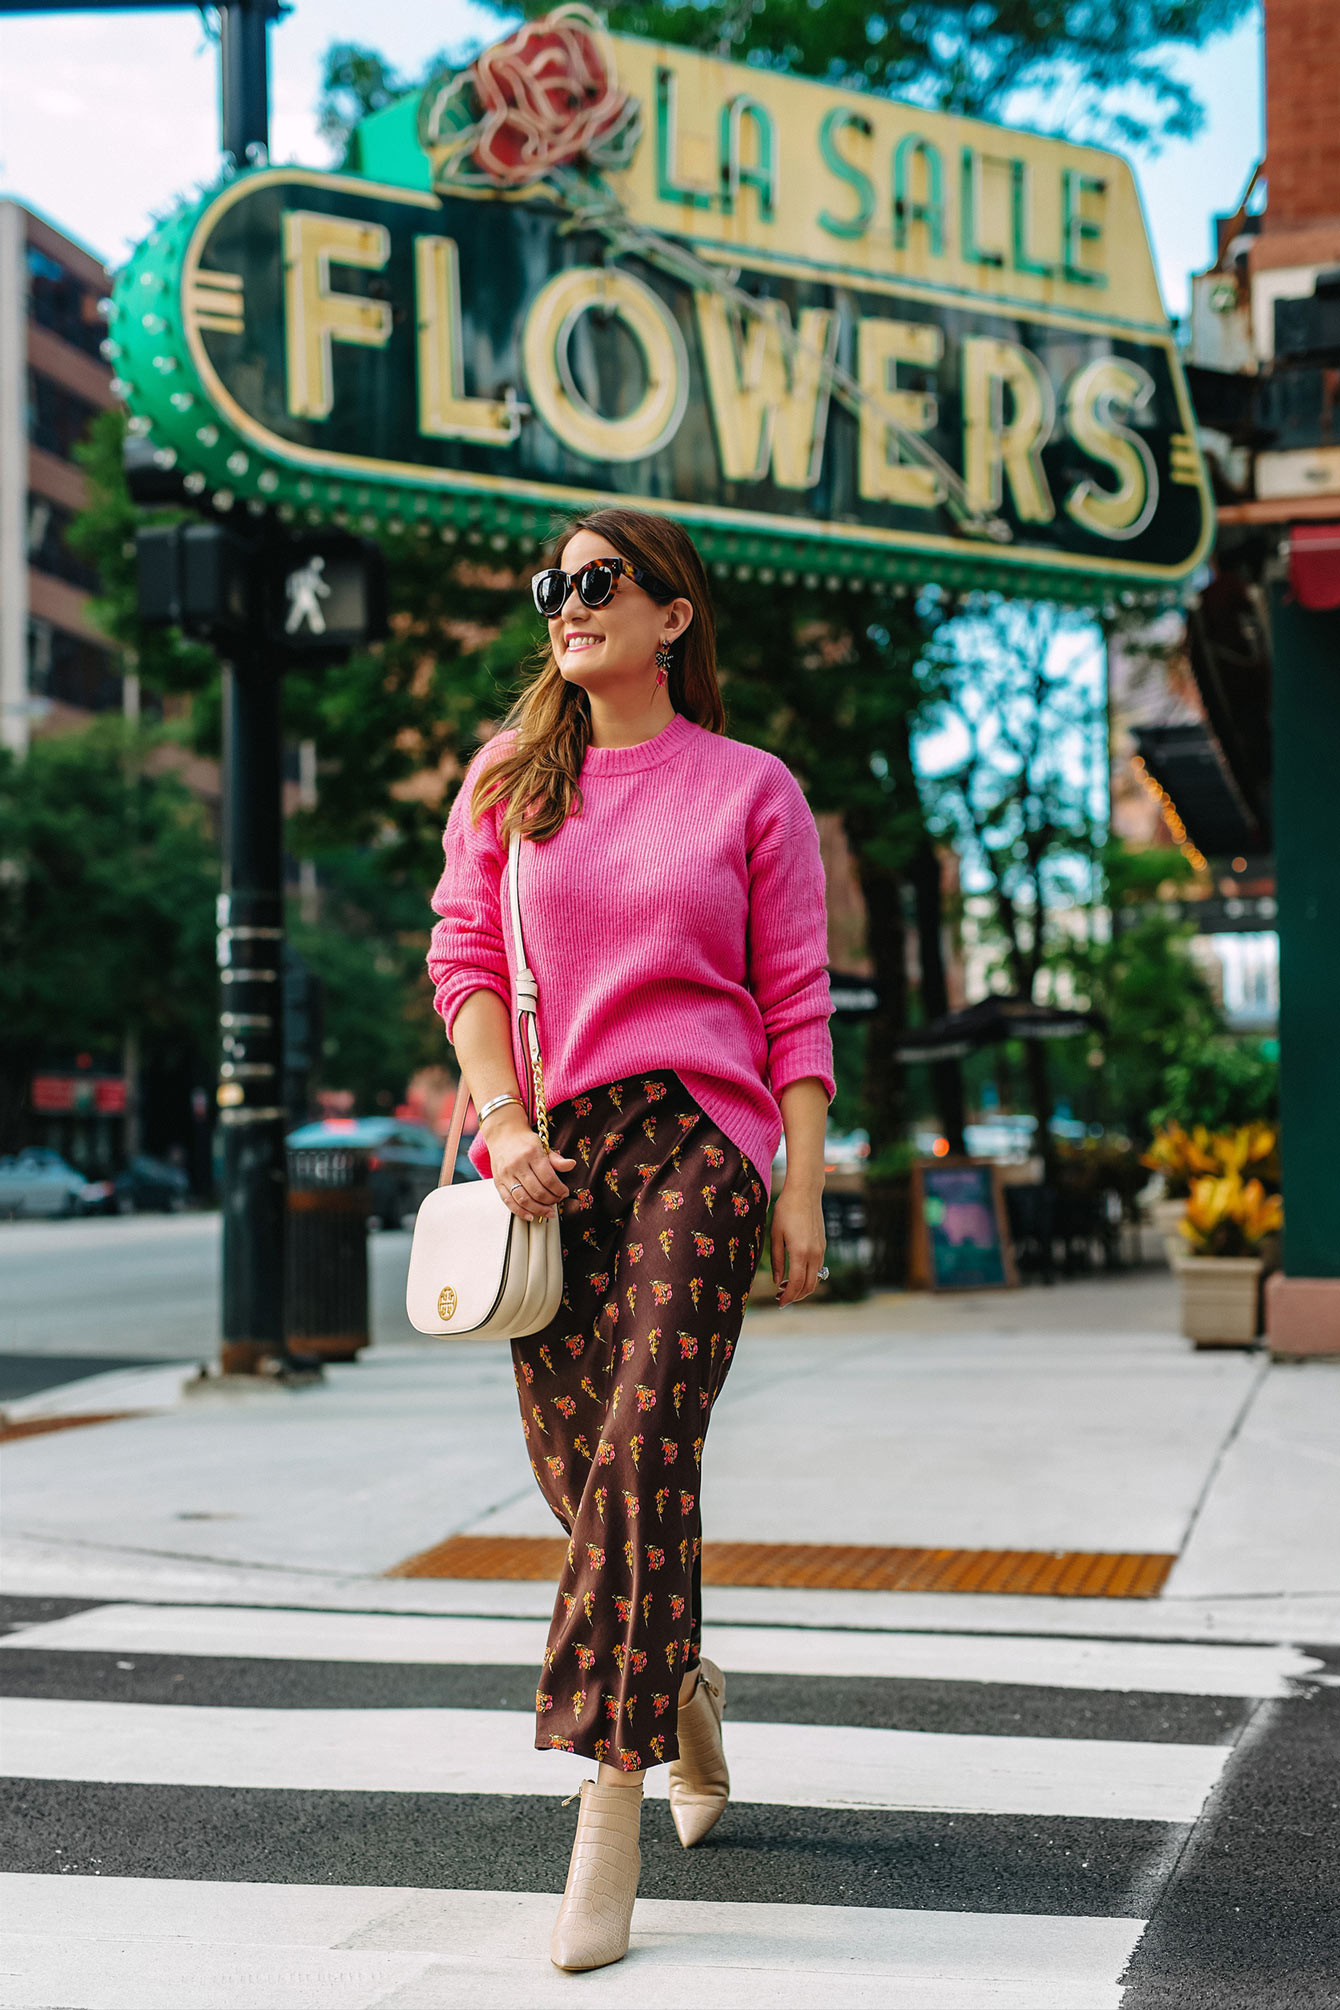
[[467, 952], [788, 941]]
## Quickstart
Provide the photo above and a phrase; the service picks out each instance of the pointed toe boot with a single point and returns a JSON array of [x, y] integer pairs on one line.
[[594, 1919], [699, 1782]]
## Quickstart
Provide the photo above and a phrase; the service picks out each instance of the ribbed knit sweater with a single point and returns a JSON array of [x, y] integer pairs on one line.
[[676, 922]]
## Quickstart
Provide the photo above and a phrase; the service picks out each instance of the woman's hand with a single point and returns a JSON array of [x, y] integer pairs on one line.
[[520, 1162], [798, 1241]]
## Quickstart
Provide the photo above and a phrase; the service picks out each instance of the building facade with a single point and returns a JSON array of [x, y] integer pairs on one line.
[[55, 667]]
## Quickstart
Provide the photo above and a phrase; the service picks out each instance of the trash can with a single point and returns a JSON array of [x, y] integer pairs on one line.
[[326, 1283]]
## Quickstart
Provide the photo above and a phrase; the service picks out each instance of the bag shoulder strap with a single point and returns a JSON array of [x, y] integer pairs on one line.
[[527, 1005]]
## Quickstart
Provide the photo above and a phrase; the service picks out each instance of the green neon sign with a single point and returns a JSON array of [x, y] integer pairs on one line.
[[477, 357]]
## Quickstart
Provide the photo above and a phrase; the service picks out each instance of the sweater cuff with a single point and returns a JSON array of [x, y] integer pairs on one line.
[[799, 1052], [462, 984]]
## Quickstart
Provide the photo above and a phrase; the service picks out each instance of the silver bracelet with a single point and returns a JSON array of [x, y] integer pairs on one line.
[[496, 1103]]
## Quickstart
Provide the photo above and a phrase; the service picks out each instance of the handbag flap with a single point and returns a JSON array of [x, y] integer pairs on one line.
[[458, 1258]]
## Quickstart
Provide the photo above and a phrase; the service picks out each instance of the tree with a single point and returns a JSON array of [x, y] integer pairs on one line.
[[107, 886], [367, 949], [1012, 789], [1105, 62], [356, 81], [104, 534], [1140, 974]]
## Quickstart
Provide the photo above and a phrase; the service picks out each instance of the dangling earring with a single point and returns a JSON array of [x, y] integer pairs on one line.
[[663, 662]]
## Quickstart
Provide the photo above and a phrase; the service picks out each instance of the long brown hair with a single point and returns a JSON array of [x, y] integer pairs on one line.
[[537, 777]]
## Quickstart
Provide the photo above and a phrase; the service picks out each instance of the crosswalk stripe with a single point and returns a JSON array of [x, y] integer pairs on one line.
[[156, 1944], [987, 1709], [488, 1752], [1156, 1667]]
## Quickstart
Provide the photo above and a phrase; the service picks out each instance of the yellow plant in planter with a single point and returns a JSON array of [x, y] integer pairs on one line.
[[1251, 1149], [1182, 1156], [1226, 1222], [1230, 1217]]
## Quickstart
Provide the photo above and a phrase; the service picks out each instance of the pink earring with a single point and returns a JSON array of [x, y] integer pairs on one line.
[[663, 662]]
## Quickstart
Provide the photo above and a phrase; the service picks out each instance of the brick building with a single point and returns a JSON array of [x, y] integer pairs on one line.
[[54, 665]]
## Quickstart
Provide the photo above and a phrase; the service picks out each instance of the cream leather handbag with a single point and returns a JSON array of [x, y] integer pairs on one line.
[[474, 1266]]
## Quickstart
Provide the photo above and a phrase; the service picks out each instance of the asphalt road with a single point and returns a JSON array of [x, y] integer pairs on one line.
[[138, 1288], [245, 1801]]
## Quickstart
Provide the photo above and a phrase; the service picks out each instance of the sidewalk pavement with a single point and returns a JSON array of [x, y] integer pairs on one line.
[[1073, 1418]]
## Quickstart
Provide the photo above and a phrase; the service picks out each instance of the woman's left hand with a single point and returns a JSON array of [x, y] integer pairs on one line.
[[798, 1243]]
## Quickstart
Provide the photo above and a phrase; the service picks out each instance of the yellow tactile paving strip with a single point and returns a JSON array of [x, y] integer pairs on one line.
[[36, 1427], [817, 1566]]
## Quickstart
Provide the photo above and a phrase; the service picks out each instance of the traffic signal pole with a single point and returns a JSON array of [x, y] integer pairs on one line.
[[244, 77], [252, 1116]]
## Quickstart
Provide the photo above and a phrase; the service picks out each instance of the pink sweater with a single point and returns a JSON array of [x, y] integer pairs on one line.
[[677, 922]]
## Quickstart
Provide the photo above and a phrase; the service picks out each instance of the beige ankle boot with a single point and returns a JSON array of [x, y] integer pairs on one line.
[[699, 1781], [597, 1910]]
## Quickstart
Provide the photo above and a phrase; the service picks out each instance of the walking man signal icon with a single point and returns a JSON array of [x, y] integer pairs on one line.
[[306, 589]]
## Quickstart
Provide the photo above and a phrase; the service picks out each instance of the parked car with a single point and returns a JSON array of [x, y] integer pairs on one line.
[[149, 1185], [39, 1181], [404, 1161]]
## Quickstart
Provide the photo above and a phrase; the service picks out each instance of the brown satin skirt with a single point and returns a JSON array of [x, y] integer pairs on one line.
[[661, 1235]]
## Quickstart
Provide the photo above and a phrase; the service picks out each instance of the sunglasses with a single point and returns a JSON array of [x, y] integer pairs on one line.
[[595, 583]]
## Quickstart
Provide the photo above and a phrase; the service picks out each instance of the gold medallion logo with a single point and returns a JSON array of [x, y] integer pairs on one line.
[[446, 1302]]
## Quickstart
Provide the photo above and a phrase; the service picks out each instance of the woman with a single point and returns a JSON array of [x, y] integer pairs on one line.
[[673, 908]]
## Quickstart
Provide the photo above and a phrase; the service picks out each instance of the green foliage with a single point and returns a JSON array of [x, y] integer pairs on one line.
[[107, 885], [104, 536], [1106, 62], [355, 82], [1019, 720], [847, 1110], [1222, 1085], [377, 1004], [1143, 979], [396, 724]]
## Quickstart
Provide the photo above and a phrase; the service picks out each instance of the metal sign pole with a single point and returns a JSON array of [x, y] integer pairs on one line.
[[252, 1114], [244, 78], [251, 1018]]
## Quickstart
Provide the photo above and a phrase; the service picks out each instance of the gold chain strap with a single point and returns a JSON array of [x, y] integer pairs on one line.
[[541, 1107]]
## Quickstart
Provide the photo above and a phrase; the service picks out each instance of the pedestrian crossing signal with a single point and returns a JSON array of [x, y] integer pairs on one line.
[[324, 595], [310, 598]]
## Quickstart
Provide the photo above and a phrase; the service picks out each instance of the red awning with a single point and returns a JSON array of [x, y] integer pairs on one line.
[[1314, 564]]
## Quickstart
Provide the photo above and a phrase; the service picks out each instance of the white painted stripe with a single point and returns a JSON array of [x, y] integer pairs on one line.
[[279, 1635], [490, 1752], [156, 1944]]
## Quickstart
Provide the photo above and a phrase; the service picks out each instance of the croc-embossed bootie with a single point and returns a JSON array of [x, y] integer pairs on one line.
[[699, 1780], [597, 1910]]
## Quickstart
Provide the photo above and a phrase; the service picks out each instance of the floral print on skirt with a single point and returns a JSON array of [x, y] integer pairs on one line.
[[662, 1230]]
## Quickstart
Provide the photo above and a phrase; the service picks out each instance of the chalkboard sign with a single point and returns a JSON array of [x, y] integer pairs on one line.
[[959, 1237]]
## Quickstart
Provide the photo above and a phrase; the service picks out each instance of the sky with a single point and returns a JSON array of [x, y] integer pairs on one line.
[[105, 119]]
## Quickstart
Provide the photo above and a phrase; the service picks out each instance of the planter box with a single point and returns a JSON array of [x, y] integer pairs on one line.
[[1220, 1299], [1167, 1217]]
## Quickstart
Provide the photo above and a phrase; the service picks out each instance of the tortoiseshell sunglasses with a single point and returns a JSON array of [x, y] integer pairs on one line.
[[595, 583]]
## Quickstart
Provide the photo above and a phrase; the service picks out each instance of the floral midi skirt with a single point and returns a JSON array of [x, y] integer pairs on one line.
[[662, 1230]]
